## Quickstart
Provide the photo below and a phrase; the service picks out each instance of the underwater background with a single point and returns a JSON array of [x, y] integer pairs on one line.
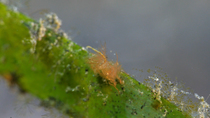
[[146, 34]]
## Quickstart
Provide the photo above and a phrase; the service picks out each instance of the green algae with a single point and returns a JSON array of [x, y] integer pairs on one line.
[[56, 70]]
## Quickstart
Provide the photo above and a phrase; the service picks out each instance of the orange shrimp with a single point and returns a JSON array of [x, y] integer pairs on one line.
[[107, 70]]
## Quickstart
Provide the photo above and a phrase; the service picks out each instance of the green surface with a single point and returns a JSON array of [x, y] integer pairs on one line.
[[57, 72]]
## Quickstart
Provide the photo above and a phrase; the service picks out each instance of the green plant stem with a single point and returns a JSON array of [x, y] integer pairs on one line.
[[55, 70]]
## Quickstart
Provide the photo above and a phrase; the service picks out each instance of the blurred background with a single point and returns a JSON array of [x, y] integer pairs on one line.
[[168, 34]]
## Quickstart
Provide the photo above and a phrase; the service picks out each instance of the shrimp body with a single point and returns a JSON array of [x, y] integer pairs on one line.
[[108, 70]]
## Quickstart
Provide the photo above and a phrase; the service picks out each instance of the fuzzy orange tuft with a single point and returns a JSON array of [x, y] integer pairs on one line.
[[107, 70]]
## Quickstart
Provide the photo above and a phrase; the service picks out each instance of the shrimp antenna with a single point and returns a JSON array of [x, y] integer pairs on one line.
[[207, 97], [117, 59], [97, 51]]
